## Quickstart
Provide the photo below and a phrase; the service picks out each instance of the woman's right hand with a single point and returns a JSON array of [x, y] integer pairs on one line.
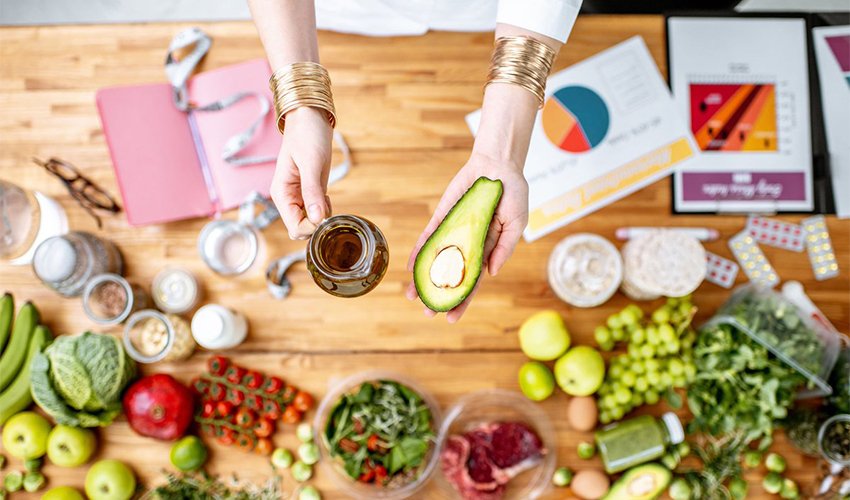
[[300, 183]]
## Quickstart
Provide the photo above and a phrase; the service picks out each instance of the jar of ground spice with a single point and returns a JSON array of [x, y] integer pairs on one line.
[[109, 299]]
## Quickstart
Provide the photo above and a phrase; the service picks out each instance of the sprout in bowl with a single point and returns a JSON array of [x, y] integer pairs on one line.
[[378, 435], [495, 444]]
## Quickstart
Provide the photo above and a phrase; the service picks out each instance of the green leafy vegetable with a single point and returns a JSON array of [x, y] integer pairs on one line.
[[78, 379], [381, 433], [840, 382], [202, 486]]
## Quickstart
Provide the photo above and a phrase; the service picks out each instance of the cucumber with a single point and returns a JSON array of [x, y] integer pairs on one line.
[[13, 356], [17, 397], [7, 310]]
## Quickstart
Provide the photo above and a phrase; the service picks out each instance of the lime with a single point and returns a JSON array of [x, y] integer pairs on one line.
[[189, 453], [536, 381]]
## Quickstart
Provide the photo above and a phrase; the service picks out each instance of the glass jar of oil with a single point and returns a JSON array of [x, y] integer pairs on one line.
[[347, 256]]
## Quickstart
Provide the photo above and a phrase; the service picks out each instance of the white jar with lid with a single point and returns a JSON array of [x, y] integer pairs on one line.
[[175, 290], [217, 327]]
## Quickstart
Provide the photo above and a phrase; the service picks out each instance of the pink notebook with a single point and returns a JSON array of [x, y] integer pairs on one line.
[[165, 174]]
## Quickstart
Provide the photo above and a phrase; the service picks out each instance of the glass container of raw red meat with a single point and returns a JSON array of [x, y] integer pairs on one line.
[[521, 469], [332, 466]]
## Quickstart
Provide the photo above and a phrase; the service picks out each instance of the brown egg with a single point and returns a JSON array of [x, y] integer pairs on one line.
[[582, 413], [590, 484]]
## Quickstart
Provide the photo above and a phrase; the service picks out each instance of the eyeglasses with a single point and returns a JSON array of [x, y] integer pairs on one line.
[[89, 195]]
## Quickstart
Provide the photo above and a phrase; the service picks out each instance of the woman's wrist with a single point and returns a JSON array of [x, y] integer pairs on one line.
[[507, 119]]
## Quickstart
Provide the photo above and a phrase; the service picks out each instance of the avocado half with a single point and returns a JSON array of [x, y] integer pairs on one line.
[[644, 482], [449, 263]]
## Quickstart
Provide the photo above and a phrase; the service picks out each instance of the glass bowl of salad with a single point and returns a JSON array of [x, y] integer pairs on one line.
[[496, 444], [377, 434]]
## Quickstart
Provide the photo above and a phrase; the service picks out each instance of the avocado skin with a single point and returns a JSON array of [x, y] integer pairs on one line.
[[620, 489], [475, 209]]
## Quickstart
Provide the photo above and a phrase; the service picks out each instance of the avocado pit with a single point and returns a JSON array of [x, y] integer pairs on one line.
[[448, 268]]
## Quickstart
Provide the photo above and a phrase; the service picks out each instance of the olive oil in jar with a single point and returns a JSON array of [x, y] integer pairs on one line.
[[347, 256]]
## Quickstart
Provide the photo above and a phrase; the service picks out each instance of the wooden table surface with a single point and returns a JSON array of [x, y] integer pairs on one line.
[[401, 104]]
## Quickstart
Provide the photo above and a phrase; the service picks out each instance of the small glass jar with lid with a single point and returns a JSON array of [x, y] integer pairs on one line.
[[175, 290], [66, 263], [150, 336], [347, 256], [638, 440], [109, 299]]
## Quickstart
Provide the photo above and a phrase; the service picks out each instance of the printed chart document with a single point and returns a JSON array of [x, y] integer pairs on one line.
[[608, 127], [742, 86], [832, 51]]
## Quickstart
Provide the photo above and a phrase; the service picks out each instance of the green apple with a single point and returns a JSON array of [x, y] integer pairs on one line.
[[536, 381], [110, 480], [544, 336], [580, 371], [25, 435], [70, 446], [62, 493]]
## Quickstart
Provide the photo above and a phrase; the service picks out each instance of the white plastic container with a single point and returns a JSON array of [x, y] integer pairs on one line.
[[585, 270], [216, 327]]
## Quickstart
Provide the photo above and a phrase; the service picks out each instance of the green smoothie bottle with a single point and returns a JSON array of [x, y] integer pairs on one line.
[[638, 440]]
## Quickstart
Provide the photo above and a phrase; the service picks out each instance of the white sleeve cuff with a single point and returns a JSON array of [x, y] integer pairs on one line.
[[553, 18]]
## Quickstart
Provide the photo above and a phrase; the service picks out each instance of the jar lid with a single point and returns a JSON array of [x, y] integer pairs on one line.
[[208, 325], [585, 270], [108, 299], [55, 259], [674, 427], [175, 290], [228, 247], [148, 336]]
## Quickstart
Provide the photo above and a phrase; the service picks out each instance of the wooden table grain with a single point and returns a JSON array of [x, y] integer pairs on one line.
[[401, 103]]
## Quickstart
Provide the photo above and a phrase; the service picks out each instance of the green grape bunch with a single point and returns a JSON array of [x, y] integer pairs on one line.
[[658, 356]]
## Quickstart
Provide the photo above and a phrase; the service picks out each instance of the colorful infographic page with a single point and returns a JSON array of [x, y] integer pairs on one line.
[[608, 127], [742, 86]]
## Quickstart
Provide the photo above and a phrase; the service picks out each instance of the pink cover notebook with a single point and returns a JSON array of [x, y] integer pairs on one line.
[[161, 169]]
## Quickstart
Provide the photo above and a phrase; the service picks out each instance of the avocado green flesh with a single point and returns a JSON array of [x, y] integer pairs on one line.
[[644, 482], [464, 227]]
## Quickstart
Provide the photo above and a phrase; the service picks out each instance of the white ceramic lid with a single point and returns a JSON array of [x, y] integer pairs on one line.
[[674, 427]]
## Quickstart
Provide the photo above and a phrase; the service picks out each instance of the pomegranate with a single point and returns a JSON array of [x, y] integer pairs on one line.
[[159, 406]]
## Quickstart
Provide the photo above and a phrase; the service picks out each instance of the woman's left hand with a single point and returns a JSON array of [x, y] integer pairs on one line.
[[505, 229]]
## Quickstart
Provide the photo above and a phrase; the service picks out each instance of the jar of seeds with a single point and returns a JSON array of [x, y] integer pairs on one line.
[[150, 336]]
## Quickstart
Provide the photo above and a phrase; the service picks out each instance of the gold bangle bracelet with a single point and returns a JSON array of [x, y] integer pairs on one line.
[[523, 61], [302, 84]]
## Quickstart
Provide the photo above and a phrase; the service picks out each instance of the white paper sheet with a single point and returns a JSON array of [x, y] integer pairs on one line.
[[832, 50], [608, 128], [741, 84]]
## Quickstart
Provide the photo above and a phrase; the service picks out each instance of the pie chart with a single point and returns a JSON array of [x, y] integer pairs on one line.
[[575, 119]]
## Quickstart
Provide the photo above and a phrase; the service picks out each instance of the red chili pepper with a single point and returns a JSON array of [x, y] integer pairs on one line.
[[217, 392], [289, 394], [264, 446], [358, 426], [291, 415], [234, 374], [245, 418], [372, 443], [303, 401], [245, 442], [235, 396], [254, 402], [224, 408], [254, 380], [217, 365], [380, 475], [273, 385], [227, 436], [271, 409], [208, 409], [264, 427]]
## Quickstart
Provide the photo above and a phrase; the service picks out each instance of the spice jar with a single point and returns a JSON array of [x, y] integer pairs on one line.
[[150, 336], [347, 256], [834, 440], [66, 263], [108, 299], [175, 290], [217, 327], [638, 440]]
